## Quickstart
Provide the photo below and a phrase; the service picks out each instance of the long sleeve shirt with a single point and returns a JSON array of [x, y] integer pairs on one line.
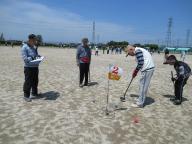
[[140, 59], [182, 69], [144, 60], [83, 54], [28, 54]]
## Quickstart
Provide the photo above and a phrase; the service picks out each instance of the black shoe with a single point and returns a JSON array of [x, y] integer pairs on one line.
[[81, 85], [86, 84], [172, 99], [36, 94], [33, 96], [176, 102]]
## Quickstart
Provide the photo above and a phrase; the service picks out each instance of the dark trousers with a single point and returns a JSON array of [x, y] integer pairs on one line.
[[179, 84], [31, 81], [84, 71]]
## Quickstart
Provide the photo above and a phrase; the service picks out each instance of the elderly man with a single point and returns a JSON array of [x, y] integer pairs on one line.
[[146, 65], [31, 70], [83, 58]]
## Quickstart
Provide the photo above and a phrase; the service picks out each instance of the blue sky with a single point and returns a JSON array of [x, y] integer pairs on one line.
[[70, 20]]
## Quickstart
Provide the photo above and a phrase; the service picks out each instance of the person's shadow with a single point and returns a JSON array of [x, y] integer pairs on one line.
[[148, 100], [93, 83], [50, 95], [171, 96]]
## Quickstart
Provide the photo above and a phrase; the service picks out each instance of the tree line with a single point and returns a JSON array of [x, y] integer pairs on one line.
[[111, 44]]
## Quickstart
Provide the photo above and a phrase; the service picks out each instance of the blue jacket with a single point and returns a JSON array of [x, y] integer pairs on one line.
[[83, 54], [28, 54]]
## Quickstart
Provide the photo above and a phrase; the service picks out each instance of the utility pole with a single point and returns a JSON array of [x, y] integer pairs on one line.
[[178, 40], [168, 37], [98, 38], [93, 34]]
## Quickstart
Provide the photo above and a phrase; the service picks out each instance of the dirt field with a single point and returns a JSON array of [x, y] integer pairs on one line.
[[67, 114]]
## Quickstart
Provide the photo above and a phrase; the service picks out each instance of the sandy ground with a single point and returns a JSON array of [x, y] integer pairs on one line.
[[67, 114]]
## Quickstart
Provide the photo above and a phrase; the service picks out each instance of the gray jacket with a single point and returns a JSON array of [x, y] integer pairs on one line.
[[83, 54], [28, 54]]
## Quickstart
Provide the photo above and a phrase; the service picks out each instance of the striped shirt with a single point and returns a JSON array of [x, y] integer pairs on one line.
[[140, 59]]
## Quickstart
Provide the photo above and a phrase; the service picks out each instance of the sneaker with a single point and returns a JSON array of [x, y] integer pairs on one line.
[[81, 85], [136, 105], [27, 99], [136, 99], [176, 102]]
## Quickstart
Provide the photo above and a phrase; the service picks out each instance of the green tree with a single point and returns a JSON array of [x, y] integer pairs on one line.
[[39, 39], [154, 47], [118, 44]]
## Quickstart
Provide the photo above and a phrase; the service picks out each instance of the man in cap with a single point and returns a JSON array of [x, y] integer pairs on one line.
[[29, 52], [146, 65], [83, 59]]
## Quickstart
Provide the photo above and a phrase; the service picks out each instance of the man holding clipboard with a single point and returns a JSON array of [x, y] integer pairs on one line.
[[31, 60]]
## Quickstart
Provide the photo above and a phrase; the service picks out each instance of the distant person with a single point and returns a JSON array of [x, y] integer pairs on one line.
[[120, 50], [12, 44], [31, 70], [96, 51], [103, 50], [166, 51], [112, 49], [146, 65], [108, 50], [116, 50], [183, 54], [22, 43], [83, 58], [183, 71]]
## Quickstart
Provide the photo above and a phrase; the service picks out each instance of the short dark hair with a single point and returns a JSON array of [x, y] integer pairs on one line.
[[171, 57], [31, 36], [85, 39]]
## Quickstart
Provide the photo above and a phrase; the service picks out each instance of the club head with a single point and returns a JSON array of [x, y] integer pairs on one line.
[[122, 99]]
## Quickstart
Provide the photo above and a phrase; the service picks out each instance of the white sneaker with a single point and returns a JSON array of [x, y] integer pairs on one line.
[[136, 105], [136, 99]]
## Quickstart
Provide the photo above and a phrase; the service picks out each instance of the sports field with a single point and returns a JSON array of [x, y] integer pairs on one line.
[[67, 114]]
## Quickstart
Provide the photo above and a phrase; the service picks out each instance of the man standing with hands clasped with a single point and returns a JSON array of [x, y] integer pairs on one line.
[[29, 53], [83, 58], [146, 65]]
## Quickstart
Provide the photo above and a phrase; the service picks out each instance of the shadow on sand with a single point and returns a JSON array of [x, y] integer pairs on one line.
[[93, 83], [50, 95], [170, 96], [148, 100]]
